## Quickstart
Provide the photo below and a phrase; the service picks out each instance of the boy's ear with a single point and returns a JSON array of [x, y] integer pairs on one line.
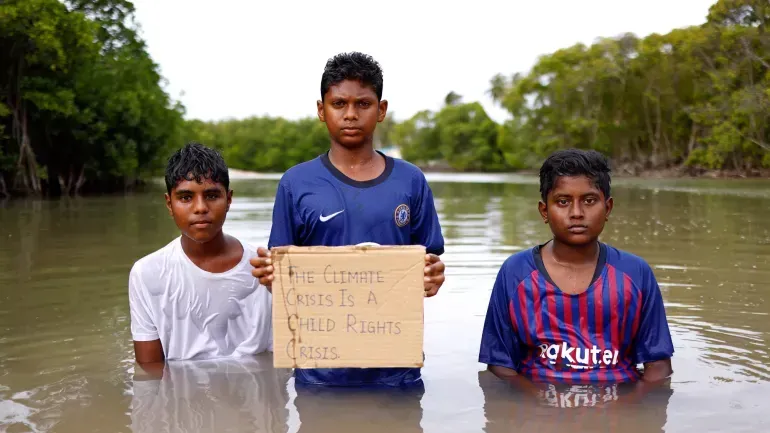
[[383, 110], [168, 204], [320, 108], [609, 204], [542, 208]]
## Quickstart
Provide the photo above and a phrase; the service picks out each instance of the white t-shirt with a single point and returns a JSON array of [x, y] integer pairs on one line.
[[198, 314]]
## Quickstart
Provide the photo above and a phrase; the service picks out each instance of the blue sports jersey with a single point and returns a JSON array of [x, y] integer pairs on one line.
[[596, 336], [317, 205]]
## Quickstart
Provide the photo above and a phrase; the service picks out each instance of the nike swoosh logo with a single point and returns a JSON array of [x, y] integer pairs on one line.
[[328, 217]]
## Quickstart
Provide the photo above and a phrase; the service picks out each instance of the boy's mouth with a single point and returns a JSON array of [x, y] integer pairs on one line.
[[577, 228], [350, 130]]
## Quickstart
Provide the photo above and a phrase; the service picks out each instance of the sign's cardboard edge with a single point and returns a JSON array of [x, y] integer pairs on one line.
[[343, 249], [276, 252]]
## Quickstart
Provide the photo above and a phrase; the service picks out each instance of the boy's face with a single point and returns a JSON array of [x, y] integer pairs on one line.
[[199, 209], [351, 113], [576, 210]]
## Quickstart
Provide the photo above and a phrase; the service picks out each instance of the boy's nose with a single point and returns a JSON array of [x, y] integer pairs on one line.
[[576, 211], [350, 113], [200, 206]]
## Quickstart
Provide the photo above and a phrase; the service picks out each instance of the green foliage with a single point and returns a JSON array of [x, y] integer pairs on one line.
[[695, 96], [84, 106], [262, 143]]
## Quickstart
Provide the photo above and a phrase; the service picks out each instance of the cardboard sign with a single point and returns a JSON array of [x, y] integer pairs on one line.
[[357, 306]]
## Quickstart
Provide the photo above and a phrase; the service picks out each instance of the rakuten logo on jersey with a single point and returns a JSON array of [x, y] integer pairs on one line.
[[578, 357]]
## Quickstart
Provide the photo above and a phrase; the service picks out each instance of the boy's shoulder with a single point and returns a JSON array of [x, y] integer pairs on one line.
[[519, 265], [629, 263], [302, 169], [406, 166], [157, 262], [151, 261], [406, 169]]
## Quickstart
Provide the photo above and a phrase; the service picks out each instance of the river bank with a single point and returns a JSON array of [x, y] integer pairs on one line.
[[637, 171], [623, 171], [446, 174]]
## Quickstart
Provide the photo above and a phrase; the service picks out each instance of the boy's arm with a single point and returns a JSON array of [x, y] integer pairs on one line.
[[657, 371], [654, 347], [500, 345], [148, 350], [285, 224], [426, 229], [283, 232]]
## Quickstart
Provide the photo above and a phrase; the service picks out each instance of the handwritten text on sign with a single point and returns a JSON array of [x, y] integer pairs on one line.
[[348, 306]]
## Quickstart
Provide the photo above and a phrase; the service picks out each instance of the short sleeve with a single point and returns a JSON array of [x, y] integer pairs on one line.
[[142, 326], [426, 229], [286, 224], [500, 345], [653, 340]]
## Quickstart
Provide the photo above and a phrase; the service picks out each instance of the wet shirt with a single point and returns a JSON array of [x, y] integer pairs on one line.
[[600, 335], [317, 205], [198, 314]]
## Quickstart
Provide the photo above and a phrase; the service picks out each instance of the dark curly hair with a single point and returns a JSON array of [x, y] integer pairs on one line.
[[352, 66], [196, 161], [575, 162]]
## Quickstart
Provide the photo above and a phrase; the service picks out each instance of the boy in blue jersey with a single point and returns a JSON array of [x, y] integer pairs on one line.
[[353, 194], [574, 309]]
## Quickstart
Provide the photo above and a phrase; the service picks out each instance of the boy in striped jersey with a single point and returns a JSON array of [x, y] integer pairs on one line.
[[576, 310]]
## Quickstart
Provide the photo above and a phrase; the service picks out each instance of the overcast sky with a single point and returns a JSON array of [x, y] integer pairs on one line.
[[238, 58]]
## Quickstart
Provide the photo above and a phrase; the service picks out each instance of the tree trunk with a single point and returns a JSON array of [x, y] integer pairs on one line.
[[54, 183], [26, 167], [81, 180], [693, 134], [3, 189]]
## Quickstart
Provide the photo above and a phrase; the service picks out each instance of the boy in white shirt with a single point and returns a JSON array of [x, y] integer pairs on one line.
[[195, 298]]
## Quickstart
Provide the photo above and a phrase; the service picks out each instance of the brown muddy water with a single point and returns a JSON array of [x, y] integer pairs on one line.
[[66, 359]]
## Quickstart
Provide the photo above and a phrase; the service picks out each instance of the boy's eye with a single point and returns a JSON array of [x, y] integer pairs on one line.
[[338, 103], [590, 200], [562, 201], [185, 198], [364, 103]]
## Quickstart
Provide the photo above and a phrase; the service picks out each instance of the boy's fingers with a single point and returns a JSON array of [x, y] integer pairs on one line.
[[435, 279], [260, 262], [260, 271], [431, 291], [435, 269]]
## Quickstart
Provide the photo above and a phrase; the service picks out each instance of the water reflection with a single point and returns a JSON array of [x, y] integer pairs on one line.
[[224, 395], [573, 408], [331, 410]]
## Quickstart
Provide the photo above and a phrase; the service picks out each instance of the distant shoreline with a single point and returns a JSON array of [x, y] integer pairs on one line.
[[619, 172]]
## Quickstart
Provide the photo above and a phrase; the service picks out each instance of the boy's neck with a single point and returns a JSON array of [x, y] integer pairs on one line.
[[342, 157], [576, 255], [195, 250], [360, 164]]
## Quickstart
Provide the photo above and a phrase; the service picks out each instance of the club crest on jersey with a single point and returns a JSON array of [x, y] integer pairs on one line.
[[401, 215]]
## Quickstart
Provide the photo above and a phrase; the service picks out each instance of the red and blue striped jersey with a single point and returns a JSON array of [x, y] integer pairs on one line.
[[600, 335]]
